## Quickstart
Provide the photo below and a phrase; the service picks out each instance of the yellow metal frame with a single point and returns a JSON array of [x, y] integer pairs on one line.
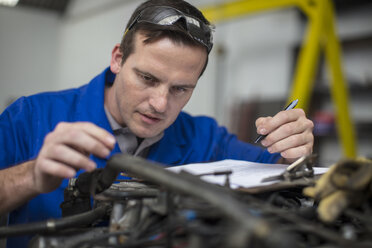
[[320, 37]]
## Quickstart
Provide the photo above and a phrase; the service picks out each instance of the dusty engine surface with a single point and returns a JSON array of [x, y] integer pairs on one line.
[[164, 209]]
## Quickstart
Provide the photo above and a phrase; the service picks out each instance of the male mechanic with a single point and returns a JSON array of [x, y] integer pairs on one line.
[[134, 106]]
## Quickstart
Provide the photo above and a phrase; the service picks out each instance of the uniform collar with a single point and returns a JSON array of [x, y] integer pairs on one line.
[[91, 106]]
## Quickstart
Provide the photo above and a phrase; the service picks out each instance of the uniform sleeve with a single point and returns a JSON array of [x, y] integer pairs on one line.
[[224, 145], [229, 147], [15, 122]]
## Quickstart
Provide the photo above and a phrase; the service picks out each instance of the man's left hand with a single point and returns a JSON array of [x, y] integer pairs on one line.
[[289, 133]]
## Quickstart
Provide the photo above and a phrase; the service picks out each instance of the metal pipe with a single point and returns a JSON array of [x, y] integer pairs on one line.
[[54, 224], [247, 226]]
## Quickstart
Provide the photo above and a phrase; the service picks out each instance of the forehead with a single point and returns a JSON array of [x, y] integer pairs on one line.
[[178, 37], [167, 56]]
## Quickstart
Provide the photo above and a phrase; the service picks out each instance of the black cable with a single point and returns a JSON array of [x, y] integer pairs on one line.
[[54, 224], [246, 224]]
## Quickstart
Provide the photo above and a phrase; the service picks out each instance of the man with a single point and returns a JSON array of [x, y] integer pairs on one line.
[[134, 106]]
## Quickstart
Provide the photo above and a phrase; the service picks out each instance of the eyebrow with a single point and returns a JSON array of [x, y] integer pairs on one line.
[[146, 74], [190, 86]]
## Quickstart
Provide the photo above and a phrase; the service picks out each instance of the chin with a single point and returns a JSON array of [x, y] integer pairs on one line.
[[146, 133]]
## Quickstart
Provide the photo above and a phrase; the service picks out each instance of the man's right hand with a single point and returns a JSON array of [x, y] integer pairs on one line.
[[66, 150]]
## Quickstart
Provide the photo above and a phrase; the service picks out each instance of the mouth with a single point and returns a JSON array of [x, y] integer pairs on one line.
[[150, 119]]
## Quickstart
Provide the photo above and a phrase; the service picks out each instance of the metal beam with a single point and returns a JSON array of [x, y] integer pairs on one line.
[[320, 37]]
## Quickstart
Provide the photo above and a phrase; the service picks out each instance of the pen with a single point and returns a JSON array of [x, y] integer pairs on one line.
[[290, 106]]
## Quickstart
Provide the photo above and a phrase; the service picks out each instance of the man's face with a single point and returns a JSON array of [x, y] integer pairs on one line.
[[153, 85]]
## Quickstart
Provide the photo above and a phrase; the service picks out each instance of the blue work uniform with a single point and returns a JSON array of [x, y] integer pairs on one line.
[[25, 123]]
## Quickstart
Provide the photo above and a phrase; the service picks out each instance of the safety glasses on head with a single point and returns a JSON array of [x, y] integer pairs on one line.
[[167, 16]]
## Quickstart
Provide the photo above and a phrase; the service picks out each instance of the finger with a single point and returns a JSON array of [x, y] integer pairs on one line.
[[87, 143], [55, 168], [100, 134], [82, 136], [260, 124], [302, 126], [96, 132], [287, 143], [80, 141], [281, 118], [297, 152], [309, 191], [331, 207], [70, 157]]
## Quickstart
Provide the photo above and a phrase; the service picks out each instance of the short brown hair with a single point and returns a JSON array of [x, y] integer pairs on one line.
[[153, 32]]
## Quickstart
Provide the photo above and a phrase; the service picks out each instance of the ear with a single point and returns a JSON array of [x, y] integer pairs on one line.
[[116, 56]]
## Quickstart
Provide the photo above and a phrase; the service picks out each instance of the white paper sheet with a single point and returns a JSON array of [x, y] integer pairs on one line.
[[244, 174]]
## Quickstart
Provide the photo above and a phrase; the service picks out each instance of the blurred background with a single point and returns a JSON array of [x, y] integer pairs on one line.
[[48, 45]]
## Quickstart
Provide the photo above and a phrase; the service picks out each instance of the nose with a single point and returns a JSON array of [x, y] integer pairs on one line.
[[159, 99]]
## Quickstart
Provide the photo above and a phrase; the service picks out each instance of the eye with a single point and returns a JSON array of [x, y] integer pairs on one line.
[[147, 79], [177, 90]]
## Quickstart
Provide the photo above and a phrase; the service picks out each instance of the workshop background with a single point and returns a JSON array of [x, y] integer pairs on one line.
[[58, 44]]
